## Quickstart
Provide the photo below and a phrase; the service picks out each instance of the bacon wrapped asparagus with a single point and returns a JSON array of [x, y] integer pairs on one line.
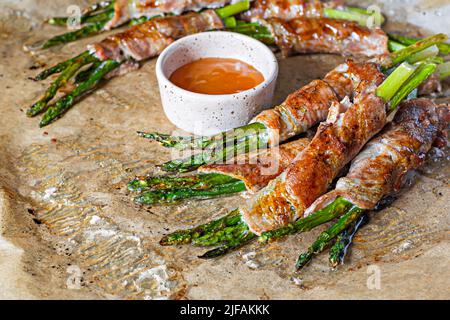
[[300, 111], [111, 14], [122, 51], [381, 168], [348, 127], [250, 173], [326, 35]]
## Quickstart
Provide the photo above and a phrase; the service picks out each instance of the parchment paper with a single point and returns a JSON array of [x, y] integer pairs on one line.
[[69, 228]]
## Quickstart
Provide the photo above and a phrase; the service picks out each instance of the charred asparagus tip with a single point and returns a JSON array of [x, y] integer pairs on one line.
[[62, 105]]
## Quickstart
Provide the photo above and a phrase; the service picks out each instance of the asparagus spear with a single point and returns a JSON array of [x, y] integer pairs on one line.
[[197, 182], [243, 238], [67, 37], [423, 71], [403, 54], [174, 195], [85, 74], [61, 66], [327, 236], [93, 10], [343, 241], [187, 236], [444, 48]]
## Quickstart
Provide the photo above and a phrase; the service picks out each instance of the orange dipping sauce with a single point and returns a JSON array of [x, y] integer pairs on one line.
[[216, 76]]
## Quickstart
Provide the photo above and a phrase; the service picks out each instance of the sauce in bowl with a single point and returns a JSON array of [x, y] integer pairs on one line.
[[216, 76]]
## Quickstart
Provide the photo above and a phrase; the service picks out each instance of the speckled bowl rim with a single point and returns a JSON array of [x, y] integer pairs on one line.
[[265, 50]]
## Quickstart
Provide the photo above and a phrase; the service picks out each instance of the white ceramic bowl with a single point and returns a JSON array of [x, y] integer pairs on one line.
[[205, 114]]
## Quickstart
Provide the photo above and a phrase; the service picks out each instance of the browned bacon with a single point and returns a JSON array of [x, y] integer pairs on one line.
[[309, 105], [149, 39], [380, 169], [257, 169], [287, 9], [305, 35], [125, 10], [337, 141]]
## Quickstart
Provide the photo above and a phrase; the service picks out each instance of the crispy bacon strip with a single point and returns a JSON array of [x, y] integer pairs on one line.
[[299, 35], [309, 105], [381, 168], [324, 35], [125, 10], [149, 39], [257, 169], [337, 141], [288, 9]]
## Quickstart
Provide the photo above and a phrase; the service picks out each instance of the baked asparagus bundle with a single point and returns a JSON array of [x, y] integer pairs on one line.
[[108, 15], [349, 126], [300, 111], [379, 170]]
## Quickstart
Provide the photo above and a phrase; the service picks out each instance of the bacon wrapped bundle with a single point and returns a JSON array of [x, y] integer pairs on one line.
[[337, 141], [381, 168], [309, 105], [288, 9], [300, 35], [149, 39], [257, 169], [325, 35]]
